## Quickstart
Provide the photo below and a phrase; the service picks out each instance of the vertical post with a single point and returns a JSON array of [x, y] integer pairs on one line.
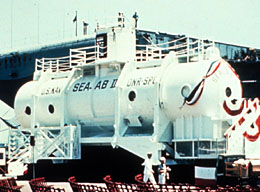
[[50, 65], [33, 131], [198, 149], [36, 64], [57, 65], [85, 57], [202, 49], [98, 47], [32, 143], [33, 164], [76, 20], [188, 50], [146, 54], [210, 145], [43, 61], [217, 146], [193, 149], [38, 24], [12, 24], [76, 24], [70, 58]]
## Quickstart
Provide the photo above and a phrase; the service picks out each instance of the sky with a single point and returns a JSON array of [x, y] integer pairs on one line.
[[30, 23]]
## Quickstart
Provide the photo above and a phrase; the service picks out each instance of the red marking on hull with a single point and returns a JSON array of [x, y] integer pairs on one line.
[[233, 112], [253, 138], [241, 120], [214, 70]]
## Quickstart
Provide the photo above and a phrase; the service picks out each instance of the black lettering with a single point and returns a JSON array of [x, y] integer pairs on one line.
[[75, 88], [150, 80], [113, 85], [129, 83], [104, 84], [52, 91], [81, 86], [57, 90], [153, 80], [43, 92], [134, 82], [145, 81], [138, 82], [87, 87], [98, 85]]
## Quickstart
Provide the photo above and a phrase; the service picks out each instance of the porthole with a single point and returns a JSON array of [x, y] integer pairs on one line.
[[185, 91], [51, 108], [228, 92], [27, 110], [131, 96]]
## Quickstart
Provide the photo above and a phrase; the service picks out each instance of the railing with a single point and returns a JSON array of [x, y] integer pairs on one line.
[[80, 187], [18, 150], [39, 184], [77, 57], [85, 55], [141, 186], [231, 170], [183, 47], [55, 64]]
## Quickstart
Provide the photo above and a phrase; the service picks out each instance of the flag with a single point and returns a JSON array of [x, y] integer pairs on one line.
[[85, 24], [75, 19], [85, 28]]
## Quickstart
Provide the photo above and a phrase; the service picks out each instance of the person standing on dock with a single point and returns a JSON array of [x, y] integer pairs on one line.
[[148, 169], [163, 171]]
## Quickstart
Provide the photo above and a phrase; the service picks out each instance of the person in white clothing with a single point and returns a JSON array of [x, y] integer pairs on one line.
[[163, 171], [148, 169]]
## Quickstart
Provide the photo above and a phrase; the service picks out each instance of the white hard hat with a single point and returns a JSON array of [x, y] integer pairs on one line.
[[162, 159]]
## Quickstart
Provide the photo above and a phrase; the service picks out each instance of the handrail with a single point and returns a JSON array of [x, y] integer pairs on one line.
[[169, 42], [183, 47], [23, 151], [78, 56], [85, 187], [40, 184]]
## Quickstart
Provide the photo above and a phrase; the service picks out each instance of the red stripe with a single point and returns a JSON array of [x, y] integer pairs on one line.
[[253, 138], [241, 120], [233, 112], [255, 106], [205, 182], [214, 70], [198, 95]]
